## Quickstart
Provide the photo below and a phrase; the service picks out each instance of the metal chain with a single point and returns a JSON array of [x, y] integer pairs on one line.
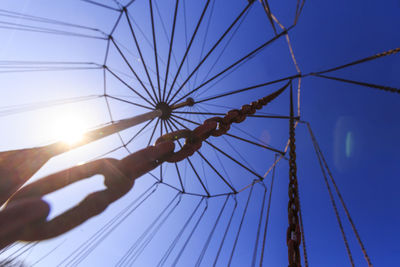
[[293, 234], [215, 126], [119, 175]]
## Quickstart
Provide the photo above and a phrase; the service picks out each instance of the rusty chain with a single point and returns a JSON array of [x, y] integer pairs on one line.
[[215, 126], [119, 177], [293, 234]]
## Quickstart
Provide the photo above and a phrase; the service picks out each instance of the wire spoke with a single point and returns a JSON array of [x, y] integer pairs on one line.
[[155, 49], [249, 55], [211, 50], [139, 50], [186, 52], [132, 70], [170, 49], [101, 5], [130, 87]]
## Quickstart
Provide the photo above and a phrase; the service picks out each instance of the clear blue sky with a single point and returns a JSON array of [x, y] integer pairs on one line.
[[357, 127]]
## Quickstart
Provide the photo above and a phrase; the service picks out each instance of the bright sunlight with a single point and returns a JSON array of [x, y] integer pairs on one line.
[[69, 127]]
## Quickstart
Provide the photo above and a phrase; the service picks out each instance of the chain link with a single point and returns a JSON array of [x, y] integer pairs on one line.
[[293, 234], [215, 126], [120, 175]]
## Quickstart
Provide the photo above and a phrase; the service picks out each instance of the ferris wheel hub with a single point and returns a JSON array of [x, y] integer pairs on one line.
[[165, 109]]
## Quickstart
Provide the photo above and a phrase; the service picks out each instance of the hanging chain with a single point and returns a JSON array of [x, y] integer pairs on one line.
[[119, 175], [215, 126], [293, 235]]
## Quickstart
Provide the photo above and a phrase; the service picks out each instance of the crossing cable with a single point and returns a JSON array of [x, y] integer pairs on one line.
[[363, 60], [371, 85], [150, 238], [240, 226], [177, 238], [211, 234], [321, 157], [131, 250], [334, 207], [191, 233], [107, 228], [253, 261], [228, 226], [267, 217]]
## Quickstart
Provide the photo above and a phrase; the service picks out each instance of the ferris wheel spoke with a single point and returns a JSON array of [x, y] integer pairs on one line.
[[139, 50], [170, 48], [204, 41], [238, 153], [209, 52], [217, 172], [154, 130], [256, 144], [234, 160], [168, 40], [127, 101], [186, 37], [130, 87], [101, 5], [249, 88], [155, 50], [137, 134], [224, 48], [248, 56], [186, 52], [133, 71], [223, 114]]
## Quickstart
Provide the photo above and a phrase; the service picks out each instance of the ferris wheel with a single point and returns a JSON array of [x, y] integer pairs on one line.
[[193, 111]]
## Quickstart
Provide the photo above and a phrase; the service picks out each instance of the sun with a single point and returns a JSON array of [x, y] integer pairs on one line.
[[69, 128]]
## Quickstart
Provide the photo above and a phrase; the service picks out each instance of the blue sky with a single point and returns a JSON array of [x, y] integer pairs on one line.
[[357, 128]]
